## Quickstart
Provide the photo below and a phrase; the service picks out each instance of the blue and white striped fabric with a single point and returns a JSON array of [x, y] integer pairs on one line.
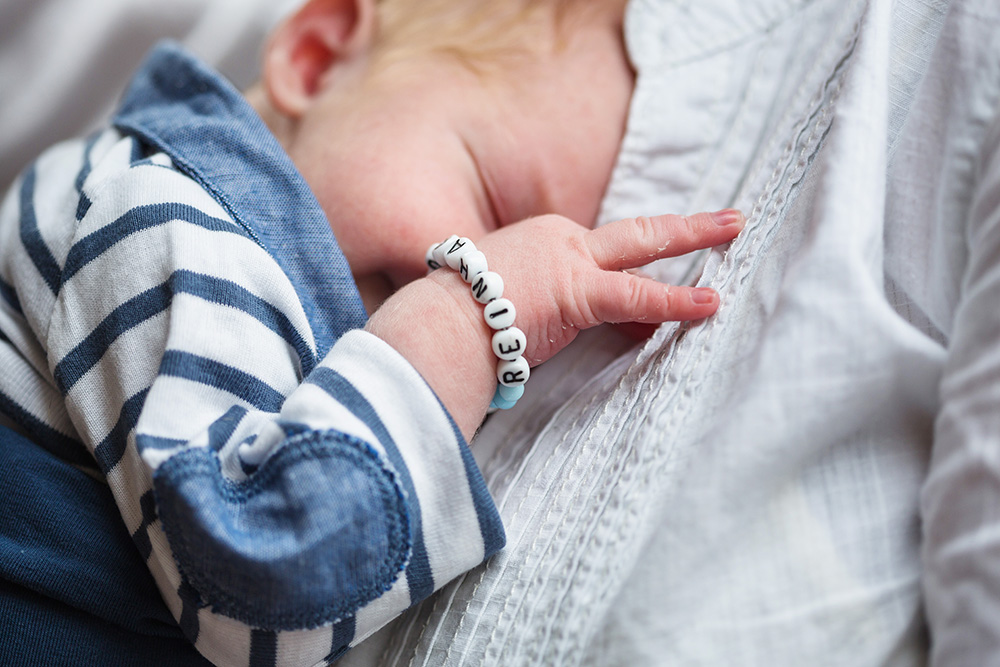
[[174, 306]]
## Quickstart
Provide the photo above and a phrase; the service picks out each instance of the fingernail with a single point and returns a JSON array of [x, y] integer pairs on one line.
[[702, 295], [727, 216]]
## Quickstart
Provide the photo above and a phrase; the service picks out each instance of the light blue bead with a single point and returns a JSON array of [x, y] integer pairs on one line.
[[510, 393], [501, 403], [496, 397]]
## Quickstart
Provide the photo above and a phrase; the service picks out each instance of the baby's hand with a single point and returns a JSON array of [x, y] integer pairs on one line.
[[562, 277]]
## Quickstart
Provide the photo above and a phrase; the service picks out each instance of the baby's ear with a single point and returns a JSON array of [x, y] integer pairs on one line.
[[321, 35]]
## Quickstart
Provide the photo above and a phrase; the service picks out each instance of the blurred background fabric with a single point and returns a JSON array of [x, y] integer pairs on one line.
[[64, 63]]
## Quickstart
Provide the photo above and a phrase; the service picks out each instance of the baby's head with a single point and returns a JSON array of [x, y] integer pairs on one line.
[[416, 119]]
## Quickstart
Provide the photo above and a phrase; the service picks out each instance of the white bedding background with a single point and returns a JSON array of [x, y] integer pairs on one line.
[[64, 63]]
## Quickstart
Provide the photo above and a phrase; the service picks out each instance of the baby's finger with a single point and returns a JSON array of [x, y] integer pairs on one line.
[[622, 297], [636, 241]]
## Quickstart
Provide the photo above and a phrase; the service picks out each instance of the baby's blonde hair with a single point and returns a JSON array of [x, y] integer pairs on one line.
[[479, 33]]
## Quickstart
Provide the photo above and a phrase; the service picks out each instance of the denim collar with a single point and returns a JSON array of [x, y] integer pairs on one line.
[[190, 112]]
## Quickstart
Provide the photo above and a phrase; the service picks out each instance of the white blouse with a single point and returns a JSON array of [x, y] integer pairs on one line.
[[812, 476]]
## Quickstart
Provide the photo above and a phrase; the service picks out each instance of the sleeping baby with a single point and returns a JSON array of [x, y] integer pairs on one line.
[[178, 319]]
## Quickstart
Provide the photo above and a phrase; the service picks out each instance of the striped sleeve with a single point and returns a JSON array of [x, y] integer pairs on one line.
[[287, 503]]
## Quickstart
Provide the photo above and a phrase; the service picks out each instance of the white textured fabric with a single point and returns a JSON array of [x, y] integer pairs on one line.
[[746, 490]]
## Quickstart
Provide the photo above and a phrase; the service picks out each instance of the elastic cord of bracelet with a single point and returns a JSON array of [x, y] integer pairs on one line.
[[509, 342]]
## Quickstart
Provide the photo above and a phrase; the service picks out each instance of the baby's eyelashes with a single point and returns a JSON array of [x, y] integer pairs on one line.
[[485, 192]]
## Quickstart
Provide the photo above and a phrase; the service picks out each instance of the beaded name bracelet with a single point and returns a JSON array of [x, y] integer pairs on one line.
[[460, 254]]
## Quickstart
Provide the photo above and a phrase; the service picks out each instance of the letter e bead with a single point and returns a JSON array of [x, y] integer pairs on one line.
[[508, 344]]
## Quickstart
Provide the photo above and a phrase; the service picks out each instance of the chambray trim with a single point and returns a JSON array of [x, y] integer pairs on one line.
[[183, 108], [419, 575], [277, 571]]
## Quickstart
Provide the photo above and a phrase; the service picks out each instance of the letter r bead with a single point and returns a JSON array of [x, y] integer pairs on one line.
[[513, 373]]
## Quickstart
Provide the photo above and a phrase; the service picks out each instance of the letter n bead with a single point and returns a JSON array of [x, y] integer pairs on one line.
[[487, 287], [509, 343], [513, 373]]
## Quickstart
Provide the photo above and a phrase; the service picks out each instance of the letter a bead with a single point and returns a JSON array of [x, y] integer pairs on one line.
[[509, 343], [499, 314], [458, 249], [441, 248], [513, 373]]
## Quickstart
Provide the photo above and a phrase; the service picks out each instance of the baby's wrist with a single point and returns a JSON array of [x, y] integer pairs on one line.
[[465, 316], [507, 341], [440, 330]]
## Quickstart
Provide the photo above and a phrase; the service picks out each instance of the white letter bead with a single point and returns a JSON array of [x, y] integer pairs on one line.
[[487, 287], [441, 248], [513, 373], [499, 314], [471, 265], [509, 344], [453, 253], [432, 263]]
